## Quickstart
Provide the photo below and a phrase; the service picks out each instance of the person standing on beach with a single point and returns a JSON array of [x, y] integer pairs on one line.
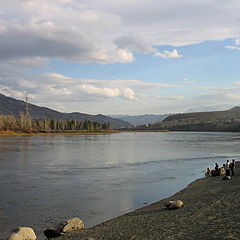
[[232, 166], [227, 163], [227, 169]]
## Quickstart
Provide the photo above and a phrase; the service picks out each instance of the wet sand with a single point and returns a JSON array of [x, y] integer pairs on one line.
[[212, 211]]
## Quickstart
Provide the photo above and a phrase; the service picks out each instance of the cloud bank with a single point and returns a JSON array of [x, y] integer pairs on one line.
[[33, 33], [104, 32]]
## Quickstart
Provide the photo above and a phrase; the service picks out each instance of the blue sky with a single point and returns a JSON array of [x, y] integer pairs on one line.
[[203, 62], [121, 57]]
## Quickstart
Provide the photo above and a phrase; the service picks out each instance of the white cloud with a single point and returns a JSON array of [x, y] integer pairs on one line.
[[104, 32], [8, 91], [233, 47], [136, 43], [168, 54], [228, 95], [232, 96], [57, 29], [108, 92], [236, 46], [32, 62], [176, 22], [170, 97], [138, 83], [129, 93], [66, 94], [188, 81], [26, 84], [58, 78], [54, 90]]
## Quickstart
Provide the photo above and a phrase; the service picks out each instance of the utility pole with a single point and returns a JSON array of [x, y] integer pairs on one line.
[[26, 105], [26, 120]]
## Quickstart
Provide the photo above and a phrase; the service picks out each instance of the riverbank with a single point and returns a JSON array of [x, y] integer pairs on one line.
[[12, 133], [211, 212], [82, 132], [142, 130]]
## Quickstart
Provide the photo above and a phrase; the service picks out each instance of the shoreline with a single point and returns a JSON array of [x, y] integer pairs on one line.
[[12, 133], [9, 133], [211, 212], [84, 132]]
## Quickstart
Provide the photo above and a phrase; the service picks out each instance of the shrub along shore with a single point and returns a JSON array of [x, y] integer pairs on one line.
[[211, 211], [25, 124]]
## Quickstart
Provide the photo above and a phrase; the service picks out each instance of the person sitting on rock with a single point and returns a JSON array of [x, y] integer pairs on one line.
[[208, 172]]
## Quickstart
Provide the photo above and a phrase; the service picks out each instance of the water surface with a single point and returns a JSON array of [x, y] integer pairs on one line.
[[47, 179]]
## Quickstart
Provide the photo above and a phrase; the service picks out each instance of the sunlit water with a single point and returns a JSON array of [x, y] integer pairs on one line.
[[47, 179]]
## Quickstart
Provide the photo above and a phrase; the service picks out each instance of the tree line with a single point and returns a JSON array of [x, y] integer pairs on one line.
[[25, 124]]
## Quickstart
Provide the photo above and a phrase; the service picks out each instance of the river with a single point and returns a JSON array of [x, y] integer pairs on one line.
[[45, 179]]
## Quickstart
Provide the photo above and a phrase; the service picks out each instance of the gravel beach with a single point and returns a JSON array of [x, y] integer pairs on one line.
[[212, 211]]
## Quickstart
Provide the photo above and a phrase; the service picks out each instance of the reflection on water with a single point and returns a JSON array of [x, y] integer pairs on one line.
[[47, 179]]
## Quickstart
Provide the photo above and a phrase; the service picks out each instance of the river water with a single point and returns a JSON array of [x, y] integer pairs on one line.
[[45, 179]]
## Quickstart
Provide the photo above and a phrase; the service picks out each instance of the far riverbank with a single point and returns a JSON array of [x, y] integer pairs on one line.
[[82, 132], [12, 133]]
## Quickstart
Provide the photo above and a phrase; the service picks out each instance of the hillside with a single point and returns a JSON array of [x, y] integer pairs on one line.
[[142, 119], [10, 105], [228, 120]]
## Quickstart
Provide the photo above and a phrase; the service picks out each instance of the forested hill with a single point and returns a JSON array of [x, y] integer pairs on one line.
[[10, 105], [228, 120]]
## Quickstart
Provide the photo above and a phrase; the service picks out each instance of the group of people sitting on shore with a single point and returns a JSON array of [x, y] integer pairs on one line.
[[227, 169]]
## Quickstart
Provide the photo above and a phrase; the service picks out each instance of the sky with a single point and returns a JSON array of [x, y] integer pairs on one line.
[[121, 56]]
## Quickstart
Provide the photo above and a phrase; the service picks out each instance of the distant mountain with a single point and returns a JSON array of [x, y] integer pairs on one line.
[[10, 105], [141, 119], [228, 120]]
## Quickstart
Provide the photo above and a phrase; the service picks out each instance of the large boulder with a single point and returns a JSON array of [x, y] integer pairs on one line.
[[22, 233], [73, 224], [70, 225], [175, 204]]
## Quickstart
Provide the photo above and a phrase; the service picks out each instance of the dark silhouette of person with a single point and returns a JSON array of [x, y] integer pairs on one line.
[[216, 166], [232, 166]]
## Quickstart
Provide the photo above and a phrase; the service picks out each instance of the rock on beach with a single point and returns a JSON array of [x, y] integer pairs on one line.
[[175, 204], [70, 225], [22, 233], [73, 224]]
